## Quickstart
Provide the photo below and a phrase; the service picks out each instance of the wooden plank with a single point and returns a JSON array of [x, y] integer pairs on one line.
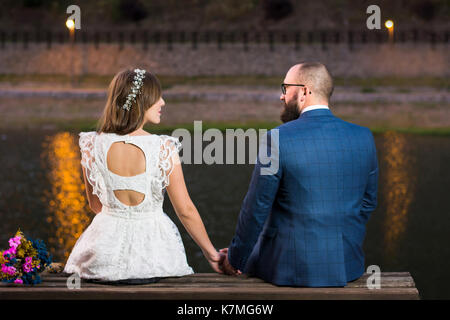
[[226, 293], [403, 281], [386, 282], [391, 279], [216, 284], [193, 286], [211, 274], [218, 277], [207, 286]]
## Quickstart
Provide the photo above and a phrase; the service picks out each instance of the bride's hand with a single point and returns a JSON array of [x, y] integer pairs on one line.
[[215, 260]]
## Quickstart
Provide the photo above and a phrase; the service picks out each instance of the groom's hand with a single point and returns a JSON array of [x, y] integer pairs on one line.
[[226, 267], [215, 260]]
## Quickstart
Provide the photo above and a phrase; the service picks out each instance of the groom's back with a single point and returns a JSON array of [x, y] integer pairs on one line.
[[326, 164], [325, 196]]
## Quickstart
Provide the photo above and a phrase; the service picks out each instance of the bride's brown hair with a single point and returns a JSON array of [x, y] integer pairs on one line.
[[116, 119]]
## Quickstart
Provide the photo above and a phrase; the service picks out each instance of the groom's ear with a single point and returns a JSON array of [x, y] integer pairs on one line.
[[305, 90], [301, 95]]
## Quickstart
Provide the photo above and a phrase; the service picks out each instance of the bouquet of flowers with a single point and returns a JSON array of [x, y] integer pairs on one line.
[[24, 259]]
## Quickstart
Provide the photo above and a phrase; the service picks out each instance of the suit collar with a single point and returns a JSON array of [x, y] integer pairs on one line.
[[316, 113], [314, 107]]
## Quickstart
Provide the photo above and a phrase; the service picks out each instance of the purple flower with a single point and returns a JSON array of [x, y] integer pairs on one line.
[[18, 281], [28, 259]]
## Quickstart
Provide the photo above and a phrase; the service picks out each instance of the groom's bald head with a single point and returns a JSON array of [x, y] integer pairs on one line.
[[316, 76]]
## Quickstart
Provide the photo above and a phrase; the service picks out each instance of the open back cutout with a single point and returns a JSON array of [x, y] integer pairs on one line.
[[126, 160]]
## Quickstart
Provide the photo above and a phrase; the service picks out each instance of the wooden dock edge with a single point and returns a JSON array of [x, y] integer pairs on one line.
[[212, 286]]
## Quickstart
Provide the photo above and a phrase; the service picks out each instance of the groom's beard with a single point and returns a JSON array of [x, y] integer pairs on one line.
[[290, 111]]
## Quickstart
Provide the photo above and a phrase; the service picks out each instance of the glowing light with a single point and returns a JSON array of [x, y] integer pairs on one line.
[[389, 24], [69, 213], [398, 190], [70, 24]]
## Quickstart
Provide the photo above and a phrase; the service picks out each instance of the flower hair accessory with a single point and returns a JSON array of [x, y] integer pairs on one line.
[[135, 89]]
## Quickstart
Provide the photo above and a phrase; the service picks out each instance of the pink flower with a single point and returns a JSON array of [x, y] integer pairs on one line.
[[18, 281], [5, 269], [14, 242], [28, 259], [8, 270], [12, 270], [27, 267], [12, 251]]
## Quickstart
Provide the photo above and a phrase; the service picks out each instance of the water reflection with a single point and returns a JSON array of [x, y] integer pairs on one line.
[[417, 214], [67, 204], [398, 189]]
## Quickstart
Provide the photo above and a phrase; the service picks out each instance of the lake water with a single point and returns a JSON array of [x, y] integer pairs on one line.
[[41, 192]]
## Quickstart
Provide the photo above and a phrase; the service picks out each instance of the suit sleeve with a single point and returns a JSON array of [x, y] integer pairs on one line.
[[257, 204], [369, 202]]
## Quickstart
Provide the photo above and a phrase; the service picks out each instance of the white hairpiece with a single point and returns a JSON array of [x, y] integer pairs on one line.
[[135, 89]]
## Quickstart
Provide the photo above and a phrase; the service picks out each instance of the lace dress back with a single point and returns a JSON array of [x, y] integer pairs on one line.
[[129, 241]]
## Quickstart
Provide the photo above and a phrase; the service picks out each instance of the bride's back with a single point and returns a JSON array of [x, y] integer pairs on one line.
[[131, 94], [126, 160]]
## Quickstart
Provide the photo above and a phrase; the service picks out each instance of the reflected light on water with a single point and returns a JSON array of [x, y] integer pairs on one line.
[[398, 189], [69, 211]]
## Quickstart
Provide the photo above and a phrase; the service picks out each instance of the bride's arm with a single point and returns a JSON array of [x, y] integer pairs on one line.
[[189, 216]]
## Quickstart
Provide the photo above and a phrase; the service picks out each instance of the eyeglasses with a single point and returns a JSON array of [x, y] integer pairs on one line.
[[284, 85]]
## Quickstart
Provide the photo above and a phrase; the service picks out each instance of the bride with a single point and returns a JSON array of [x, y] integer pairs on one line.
[[126, 172]]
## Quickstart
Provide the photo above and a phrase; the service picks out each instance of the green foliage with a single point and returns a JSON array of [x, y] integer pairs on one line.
[[368, 90], [229, 9]]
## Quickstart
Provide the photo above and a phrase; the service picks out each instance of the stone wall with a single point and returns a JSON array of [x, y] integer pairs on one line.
[[364, 60]]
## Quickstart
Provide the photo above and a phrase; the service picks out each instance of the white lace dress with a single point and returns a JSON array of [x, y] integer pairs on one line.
[[129, 242]]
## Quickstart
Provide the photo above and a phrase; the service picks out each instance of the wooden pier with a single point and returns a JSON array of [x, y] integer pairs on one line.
[[211, 286]]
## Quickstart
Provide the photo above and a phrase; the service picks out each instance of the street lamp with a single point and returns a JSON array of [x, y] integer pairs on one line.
[[389, 24], [70, 24]]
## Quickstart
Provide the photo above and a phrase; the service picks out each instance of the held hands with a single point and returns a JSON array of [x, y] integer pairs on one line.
[[226, 266], [219, 262], [215, 260]]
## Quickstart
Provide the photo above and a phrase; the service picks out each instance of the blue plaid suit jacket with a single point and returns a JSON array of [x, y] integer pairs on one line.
[[305, 225]]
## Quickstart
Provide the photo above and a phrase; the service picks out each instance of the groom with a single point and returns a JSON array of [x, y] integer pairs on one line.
[[305, 224]]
